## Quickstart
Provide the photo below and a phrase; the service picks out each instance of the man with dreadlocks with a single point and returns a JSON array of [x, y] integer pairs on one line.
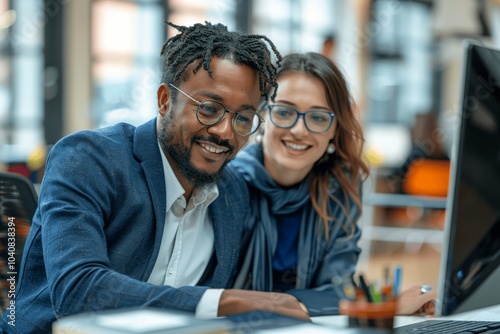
[[147, 216]]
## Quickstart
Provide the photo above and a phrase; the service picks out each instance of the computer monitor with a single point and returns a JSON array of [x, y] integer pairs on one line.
[[470, 260]]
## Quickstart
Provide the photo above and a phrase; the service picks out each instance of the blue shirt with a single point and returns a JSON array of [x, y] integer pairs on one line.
[[285, 256]]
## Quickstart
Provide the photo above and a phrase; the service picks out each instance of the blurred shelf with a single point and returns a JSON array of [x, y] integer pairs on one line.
[[394, 220], [401, 200], [403, 234]]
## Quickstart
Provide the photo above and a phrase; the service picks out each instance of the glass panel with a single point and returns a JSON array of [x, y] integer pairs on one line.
[[127, 39], [400, 81], [5, 96], [4, 5], [186, 13], [316, 22], [114, 28], [126, 69], [185, 19], [129, 97], [272, 11], [28, 27], [29, 135], [295, 25], [278, 34], [21, 66], [223, 11], [4, 90], [273, 19], [189, 5], [150, 28]]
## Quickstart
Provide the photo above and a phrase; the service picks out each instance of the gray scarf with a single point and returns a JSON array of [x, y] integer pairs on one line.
[[269, 199]]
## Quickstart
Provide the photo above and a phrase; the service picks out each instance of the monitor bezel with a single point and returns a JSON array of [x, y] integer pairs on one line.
[[456, 158]]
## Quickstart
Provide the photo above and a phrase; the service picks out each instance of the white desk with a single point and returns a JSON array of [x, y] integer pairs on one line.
[[486, 314], [151, 320]]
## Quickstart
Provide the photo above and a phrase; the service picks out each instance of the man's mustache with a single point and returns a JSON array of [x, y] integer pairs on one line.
[[215, 140]]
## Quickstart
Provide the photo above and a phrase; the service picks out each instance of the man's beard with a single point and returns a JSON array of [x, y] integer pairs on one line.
[[181, 155]]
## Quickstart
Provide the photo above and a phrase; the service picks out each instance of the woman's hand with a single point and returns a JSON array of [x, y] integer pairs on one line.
[[413, 302]]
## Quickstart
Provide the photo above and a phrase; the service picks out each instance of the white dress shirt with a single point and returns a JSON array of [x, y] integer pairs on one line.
[[188, 241]]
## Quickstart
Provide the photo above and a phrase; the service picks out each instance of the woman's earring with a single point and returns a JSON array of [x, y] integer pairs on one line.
[[330, 149], [258, 138]]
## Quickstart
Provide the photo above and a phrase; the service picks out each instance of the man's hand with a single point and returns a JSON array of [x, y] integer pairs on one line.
[[413, 302], [238, 301]]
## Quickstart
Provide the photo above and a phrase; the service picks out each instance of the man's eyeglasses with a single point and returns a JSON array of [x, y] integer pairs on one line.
[[211, 112], [285, 117]]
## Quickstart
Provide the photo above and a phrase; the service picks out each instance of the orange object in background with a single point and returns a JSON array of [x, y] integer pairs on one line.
[[427, 177]]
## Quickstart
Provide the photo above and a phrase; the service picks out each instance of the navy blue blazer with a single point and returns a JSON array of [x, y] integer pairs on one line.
[[97, 230]]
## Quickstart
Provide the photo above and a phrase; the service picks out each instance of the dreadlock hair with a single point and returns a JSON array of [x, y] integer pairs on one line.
[[201, 42]]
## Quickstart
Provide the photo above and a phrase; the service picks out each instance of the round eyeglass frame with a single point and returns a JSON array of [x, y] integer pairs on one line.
[[260, 119], [298, 115]]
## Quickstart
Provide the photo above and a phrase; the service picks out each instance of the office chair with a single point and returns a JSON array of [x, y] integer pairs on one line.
[[18, 202]]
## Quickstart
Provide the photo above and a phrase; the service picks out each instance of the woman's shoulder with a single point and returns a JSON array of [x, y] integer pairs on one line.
[[248, 163]]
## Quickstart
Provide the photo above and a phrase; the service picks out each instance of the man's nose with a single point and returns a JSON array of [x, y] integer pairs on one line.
[[223, 129]]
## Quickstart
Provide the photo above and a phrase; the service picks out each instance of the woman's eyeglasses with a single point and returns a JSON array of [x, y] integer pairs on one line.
[[285, 117]]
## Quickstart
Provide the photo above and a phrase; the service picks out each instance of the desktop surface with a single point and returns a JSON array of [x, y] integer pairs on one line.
[[151, 320]]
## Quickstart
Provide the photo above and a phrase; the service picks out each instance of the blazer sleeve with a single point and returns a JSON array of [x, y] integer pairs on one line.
[[79, 198]]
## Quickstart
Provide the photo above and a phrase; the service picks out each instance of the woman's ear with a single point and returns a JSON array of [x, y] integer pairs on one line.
[[163, 94]]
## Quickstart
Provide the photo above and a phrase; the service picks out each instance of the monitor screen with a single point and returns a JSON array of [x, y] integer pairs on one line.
[[470, 263]]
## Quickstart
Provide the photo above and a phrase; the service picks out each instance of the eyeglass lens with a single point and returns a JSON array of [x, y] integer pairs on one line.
[[244, 122], [315, 120]]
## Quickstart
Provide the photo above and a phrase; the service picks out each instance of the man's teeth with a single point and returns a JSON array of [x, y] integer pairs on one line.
[[213, 149], [296, 146]]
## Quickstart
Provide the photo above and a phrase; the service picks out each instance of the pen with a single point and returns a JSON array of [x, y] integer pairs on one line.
[[365, 288], [397, 280]]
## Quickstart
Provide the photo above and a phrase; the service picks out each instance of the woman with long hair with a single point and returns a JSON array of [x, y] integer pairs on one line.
[[305, 175]]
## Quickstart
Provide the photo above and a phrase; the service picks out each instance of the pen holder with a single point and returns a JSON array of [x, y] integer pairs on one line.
[[363, 314]]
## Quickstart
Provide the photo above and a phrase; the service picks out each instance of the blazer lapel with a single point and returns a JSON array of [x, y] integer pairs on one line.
[[147, 151], [225, 212], [227, 229]]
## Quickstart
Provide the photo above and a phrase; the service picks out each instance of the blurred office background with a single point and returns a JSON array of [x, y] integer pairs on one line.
[[68, 65]]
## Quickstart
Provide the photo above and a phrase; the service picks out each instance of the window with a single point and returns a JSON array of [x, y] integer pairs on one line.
[[21, 80], [126, 41], [400, 78], [295, 25], [127, 37]]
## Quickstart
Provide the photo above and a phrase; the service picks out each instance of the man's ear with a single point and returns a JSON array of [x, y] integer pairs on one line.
[[163, 95]]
